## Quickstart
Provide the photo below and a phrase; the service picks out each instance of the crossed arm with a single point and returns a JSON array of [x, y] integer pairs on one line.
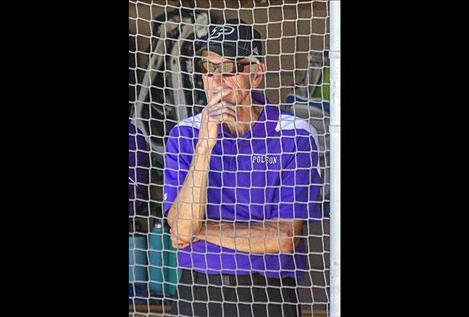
[[186, 217], [273, 236]]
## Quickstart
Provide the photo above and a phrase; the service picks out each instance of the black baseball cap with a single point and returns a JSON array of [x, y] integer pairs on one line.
[[233, 39]]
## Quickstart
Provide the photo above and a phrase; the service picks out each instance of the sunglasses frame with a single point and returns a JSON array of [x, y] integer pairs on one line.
[[238, 69]]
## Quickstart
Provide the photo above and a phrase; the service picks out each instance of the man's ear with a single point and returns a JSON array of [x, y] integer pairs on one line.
[[259, 75]]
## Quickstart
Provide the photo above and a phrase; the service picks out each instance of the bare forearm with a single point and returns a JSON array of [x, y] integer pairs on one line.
[[266, 237], [188, 210]]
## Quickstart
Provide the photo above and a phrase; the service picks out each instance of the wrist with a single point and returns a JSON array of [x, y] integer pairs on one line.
[[203, 148]]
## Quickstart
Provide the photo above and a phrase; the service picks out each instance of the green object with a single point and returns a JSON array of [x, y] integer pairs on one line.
[[156, 259], [171, 271], [323, 90], [137, 259]]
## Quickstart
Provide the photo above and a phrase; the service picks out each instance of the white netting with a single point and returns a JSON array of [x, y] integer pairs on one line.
[[166, 90]]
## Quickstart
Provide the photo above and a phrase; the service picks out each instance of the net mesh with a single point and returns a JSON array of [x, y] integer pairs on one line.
[[166, 98]]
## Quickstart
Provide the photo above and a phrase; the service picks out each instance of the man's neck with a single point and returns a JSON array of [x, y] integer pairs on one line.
[[247, 116]]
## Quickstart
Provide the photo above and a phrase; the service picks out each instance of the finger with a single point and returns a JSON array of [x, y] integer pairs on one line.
[[175, 241], [221, 105], [218, 93], [174, 238], [224, 117], [217, 97], [221, 111], [178, 245]]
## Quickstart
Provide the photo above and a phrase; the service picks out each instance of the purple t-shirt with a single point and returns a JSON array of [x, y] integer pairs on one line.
[[269, 173], [139, 167]]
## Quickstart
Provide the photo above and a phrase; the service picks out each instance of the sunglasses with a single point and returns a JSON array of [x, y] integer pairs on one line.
[[228, 68]]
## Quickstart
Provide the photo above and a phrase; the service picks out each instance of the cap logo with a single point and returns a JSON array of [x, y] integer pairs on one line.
[[220, 30]]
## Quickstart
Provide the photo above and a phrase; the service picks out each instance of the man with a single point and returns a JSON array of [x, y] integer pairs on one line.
[[240, 180]]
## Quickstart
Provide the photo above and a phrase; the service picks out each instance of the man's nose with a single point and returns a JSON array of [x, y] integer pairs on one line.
[[218, 80]]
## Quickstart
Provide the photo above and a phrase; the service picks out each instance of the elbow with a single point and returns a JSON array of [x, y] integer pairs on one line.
[[284, 242], [288, 241], [291, 236], [286, 245]]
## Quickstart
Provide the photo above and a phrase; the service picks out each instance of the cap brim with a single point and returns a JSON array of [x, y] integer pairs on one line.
[[225, 50]]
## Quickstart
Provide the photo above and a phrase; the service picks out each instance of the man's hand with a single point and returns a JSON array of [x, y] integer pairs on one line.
[[213, 114], [176, 243]]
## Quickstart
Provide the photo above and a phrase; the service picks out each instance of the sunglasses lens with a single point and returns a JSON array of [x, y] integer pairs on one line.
[[228, 67], [225, 67]]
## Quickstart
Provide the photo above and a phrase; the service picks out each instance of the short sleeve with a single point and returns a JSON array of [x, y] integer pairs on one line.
[[300, 183], [179, 149]]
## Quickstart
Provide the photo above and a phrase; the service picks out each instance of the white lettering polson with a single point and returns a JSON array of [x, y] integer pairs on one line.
[[265, 159]]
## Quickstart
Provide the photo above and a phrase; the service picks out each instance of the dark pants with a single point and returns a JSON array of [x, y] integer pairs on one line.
[[199, 294]]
